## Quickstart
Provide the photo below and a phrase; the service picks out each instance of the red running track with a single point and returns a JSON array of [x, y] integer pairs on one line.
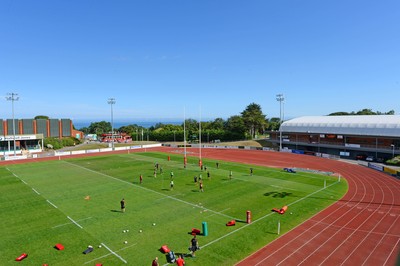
[[363, 228]]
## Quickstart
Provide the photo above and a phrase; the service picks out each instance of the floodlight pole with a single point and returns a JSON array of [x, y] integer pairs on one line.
[[280, 99], [111, 101], [200, 162], [184, 138], [13, 97], [392, 145]]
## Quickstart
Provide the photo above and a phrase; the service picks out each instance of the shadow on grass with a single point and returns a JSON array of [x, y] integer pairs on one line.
[[116, 211], [276, 194], [177, 254]]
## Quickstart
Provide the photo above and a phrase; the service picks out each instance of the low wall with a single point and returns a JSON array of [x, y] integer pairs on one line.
[[67, 153]]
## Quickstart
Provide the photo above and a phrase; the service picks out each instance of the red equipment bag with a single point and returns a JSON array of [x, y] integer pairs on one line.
[[59, 247], [195, 231], [165, 249], [23, 256], [231, 223]]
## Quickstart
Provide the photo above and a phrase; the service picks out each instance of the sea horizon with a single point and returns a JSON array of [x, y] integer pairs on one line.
[[120, 123]]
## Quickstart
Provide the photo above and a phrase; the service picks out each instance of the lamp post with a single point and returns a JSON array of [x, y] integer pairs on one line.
[[13, 97], [392, 145], [111, 101], [280, 99]]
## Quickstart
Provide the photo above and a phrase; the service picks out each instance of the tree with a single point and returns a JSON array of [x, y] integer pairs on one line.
[[218, 123], [253, 118], [364, 111], [191, 125], [100, 127], [85, 130], [339, 113], [41, 117], [236, 124], [391, 112], [274, 123]]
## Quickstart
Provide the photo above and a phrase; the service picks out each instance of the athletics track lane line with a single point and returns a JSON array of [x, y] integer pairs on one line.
[[337, 233], [376, 225], [350, 184], [284, 247]]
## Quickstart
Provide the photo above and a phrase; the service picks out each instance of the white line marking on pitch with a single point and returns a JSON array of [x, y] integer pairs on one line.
[[36, 191], [215, 214], [115, 254], [283, 187], [70, 223], [222, 237], [159, 193], [51, 203], [263, 217], [72, 220], [109, 254]]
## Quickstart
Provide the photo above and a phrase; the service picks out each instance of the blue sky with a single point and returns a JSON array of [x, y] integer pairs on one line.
[[160, 59]]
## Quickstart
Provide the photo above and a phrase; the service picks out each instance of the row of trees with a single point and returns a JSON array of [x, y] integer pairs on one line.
[[248, 125], [364, 112]]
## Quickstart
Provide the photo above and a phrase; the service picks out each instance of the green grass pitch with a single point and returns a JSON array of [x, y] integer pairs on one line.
[[46, 203]]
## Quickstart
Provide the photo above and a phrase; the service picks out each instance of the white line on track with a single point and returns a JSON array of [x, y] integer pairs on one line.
[[391, 252], [115, 254], [72, 220]]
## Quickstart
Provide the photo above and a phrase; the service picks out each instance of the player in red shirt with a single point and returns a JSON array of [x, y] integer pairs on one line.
[[180, 261], [155, 262]]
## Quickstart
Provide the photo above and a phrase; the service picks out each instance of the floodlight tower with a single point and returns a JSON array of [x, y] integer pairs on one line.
[[111, 101], [280, 99], [13, 97], [392, 145]]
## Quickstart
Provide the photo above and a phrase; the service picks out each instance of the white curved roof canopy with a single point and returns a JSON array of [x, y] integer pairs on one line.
[[365, 125]]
